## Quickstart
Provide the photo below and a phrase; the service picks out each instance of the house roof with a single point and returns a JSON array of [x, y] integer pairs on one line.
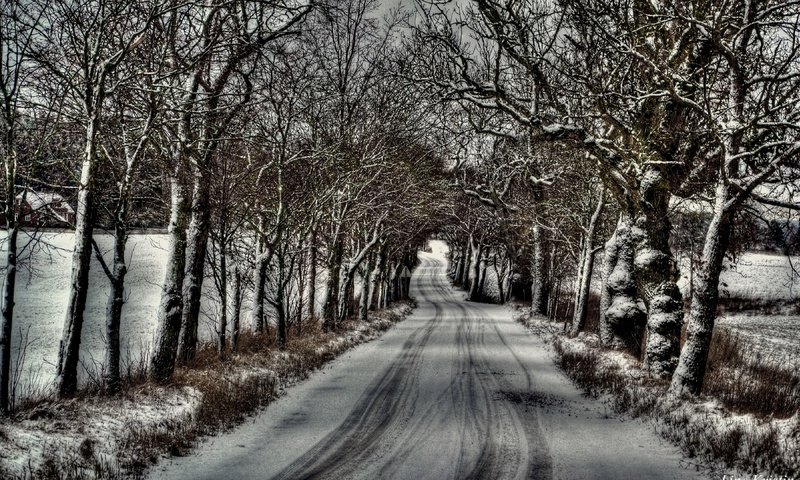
[[47, 202]]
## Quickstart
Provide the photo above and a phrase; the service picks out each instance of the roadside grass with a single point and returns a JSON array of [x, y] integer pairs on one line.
[[763, 306], [745, 381], [746, 419], [211, 395]]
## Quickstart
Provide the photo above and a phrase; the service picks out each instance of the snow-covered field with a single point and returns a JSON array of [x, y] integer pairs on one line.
[[764, 279], [757, 276], [776, 337], [42, 295]]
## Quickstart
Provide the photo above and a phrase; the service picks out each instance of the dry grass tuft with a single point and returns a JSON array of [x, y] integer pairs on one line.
[[739, 380], [747, 382]]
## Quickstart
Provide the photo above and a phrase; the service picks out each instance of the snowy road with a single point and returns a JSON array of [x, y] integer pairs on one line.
[[456, 391]]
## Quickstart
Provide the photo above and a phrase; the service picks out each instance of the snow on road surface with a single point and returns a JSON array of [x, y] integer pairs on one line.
[[456, 391]]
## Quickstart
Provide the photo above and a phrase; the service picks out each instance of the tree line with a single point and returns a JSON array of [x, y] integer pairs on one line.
[[269, 137], [281, 139], [623, 117]]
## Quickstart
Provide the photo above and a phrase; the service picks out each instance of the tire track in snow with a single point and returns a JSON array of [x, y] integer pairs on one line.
[[523, 453], [387, 429], [358, 439]]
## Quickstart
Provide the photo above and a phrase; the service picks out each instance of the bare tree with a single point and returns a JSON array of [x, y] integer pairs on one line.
[[754, 120], [91, 40], [221, 52], [125, 157], [24, 129]]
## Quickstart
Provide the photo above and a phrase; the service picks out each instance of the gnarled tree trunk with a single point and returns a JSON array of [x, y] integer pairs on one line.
[[656, 277], [623, 316]]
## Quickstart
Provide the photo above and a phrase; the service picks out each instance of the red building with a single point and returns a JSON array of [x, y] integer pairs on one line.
[[43, 209]]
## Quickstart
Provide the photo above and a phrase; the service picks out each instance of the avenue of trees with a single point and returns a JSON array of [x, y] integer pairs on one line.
[[268, 136], [605, 111], [281, 142]]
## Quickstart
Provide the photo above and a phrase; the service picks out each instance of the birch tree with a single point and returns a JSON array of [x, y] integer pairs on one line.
[[124, 155], [24, 131]]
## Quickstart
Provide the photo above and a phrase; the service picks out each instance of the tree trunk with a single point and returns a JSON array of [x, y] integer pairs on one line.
[[68, 355], [622, 314], [280, 332], [476, 254], [459, 269], [9, 155], [587, 268], [301, 291], [456, 258], [223, 294], [656, 274], [384, 295], [259, 278], [259, 281], [452, 255], [464, 278], [280, 301], [509, 280], [688, 377], [366, 290], [331, 308], [539, 290], [501, 275], [237, 309], [9, 287], [392, 282], [196, 243], [375, 282], [114, 311], [312, 277], [482, 282], [610, 258], [583, 293], [345, 294], [162, 363]]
